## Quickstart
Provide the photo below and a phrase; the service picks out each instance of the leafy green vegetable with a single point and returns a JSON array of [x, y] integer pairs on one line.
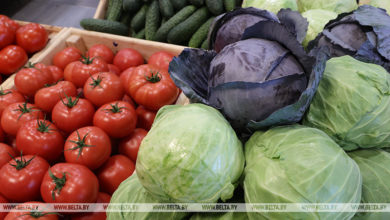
[[374, 166], [131, 191], [298, 164], [352, 104], [191, 154], [273, 6], [338, 6], [220, 216], [379, 3]]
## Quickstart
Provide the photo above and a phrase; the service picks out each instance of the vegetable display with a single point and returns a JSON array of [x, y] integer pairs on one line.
[[338, 6], [272, 6]]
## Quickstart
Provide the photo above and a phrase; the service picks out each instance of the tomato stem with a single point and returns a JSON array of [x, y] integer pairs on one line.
[[70, 103], [38, 214], [96, 82], [155, 77], [80, 144], [115, 108], [43, 126], [24, 109], [22, 163], [4, 93], [60, 183], [87, 60]]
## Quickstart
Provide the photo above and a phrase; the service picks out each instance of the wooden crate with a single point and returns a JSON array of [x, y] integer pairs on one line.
[[101, 9], [85, 39]]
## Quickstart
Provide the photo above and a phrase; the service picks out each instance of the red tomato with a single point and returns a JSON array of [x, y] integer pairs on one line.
[[102, 88], [66, 56], [56, 72], [101, 51], [7, 34], [125, 76], [112, 68], [11, 22], [114, 171], [79, 71], [129, 145], [145, 117], [71, 113], [3, 200], [5, 152], [36, 212], [151, 87], [40, 137], [21, 178], [102, 198], [29, 80], [89, 146], [161, 60], [12, 58], [117, 119], [8, 97], [17, 114], [32, 37], [2, 135], [128, 57], [47, 97], [69, 183], [128, 99]]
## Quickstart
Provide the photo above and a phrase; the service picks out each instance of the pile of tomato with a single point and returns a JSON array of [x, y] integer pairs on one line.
[[70, 132], [18, 42]]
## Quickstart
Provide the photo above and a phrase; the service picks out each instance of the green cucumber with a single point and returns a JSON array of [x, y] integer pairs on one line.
[[201, 34], [106, 26], [138, 21], [115, 11], [179, 4], [197, 3], [125, 18], [229, 4], [108, 9], [182, 33], [166, 8], [140, 34], [205, 44], [215, 6], [180, 16], [152, 20], [131, 5]]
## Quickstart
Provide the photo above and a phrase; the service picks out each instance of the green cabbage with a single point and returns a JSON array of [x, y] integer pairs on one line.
[[298, 164], [352, 104], [374, 166], [317, 19], [131, 191], [385, 4], [338, 6], [220, 216], [191, 154], [272, 6]]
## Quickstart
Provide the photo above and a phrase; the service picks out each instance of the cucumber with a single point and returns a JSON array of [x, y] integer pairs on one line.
[[205, 44], [140, 34], [152, 20], [138, 21], [201, 34], [182, 15], [115, 11], [197, 3], [131, 5], [106, 26], [215, 6], [166, 8], [229, 4], [182, 33], [125, 18], [108, 9], [179, 4]]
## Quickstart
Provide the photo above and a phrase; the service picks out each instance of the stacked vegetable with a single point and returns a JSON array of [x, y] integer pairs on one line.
[[183, 22], [70, 132]]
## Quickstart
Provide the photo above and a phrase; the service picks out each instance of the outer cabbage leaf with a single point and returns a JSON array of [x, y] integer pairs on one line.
[[352, 104], [191, 154], [220, 216], [374, 166], [131, 191], [377, 3], [338, 6], [297, 164], [271, 5]]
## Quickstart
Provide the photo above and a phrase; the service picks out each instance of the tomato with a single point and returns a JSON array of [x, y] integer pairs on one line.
[[7, 34], [145, 117], [125, 76], [161, 60], [11, 59], [69, 183], [102, 198], [21, 178], [36, 213], [32, 37], [5, 152], [127, 57], [29, 80], [3, 200], [89, 146], [128, 99], [40, 137], [101, 51], [66, 56], [151, 87], [56, 72], [17, 114], [114, 171], [47, 97], [102, 88], [129, 145], [2, 136], [79, 71], [10, 22], [114, 69], [71, 113], [8, 97], [117, 119]]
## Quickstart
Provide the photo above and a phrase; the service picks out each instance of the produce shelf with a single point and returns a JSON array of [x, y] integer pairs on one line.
[[101, 9]]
